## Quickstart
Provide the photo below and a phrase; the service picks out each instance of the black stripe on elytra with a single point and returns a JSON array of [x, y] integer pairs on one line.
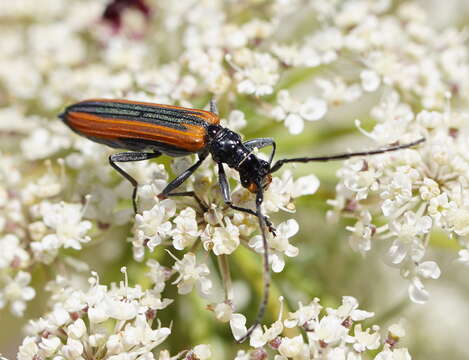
[[162, 116], [145, 145]]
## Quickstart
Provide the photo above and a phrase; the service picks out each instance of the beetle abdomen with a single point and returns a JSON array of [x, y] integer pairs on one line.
[[138, 126]]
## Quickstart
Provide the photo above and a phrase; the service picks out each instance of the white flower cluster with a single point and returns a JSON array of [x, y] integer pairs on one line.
[[332, 334], [414, 192], [102, 323], [403, 197], [57, 194], [220, 229], [32, 230]]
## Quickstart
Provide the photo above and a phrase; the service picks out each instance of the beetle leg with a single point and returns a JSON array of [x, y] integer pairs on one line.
[[167, 191], [265, 297], [225, 191], [194, 195], [126, 157], [261, 143]]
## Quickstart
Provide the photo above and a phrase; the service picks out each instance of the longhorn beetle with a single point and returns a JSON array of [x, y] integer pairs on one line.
[[149, 130]]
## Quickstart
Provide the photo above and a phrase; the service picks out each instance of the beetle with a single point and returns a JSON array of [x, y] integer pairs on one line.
[[149, 130]]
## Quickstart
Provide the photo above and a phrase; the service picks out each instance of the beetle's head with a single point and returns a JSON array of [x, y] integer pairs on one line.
[[255, 173]]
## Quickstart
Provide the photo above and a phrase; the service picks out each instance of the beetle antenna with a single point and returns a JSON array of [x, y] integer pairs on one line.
[[213, 106], [251, 152], [265, 296], [390, 148]]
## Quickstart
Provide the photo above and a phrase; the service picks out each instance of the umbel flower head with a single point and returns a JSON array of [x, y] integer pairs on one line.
[[325, 334], [101, 322], [300, 72]]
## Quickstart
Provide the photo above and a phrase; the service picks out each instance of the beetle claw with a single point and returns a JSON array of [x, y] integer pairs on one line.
[[270, 226]]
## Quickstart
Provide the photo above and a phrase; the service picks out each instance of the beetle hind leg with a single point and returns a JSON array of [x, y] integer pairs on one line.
[[128, 157]]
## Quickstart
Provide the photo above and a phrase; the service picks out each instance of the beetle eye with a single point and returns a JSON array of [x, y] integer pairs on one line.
[[266, 181]]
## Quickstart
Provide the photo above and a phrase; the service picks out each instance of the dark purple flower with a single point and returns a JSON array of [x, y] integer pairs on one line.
[[115, 8]]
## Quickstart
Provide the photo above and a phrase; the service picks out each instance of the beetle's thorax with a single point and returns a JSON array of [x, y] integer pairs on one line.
[[226, 147]]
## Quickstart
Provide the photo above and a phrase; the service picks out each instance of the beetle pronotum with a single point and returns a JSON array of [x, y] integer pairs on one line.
[[149, 130]]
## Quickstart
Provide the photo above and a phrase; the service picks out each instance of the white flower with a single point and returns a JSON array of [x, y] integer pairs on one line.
[[304, 314], [141, 333], [370, 80], [337, 92], [458, 218], [46, 186], [407, 232], [364, 340], [66, 220], [186, 231], [13, 254], [463, 256], [397, 330], [259, 76], [238, 325], [417, 292], [349, 308], [293, 347], [73, 349], [293, 55], [158, 275], [28, 349], [236, 120], [59, 316], [43, 142], [223, 311], [47, 249], [202, 352], [127, 333], [191, 274], [154, 225], [279, 244], [362, 232], [77, 329], [16, 292], [293, 113], [429, 269], [429, 189], [121, 309], [260, 337], [282, 190], [49, 346], [242, 355], [225, 239], [329, 330], [393, 354]]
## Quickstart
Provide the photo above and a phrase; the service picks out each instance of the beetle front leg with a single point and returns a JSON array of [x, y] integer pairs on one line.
[[260, 143], [225, 191]]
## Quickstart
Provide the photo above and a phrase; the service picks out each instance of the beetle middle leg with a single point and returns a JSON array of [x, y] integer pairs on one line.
[[173, 185], [126, 157], [225, 191], [187, 193]]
